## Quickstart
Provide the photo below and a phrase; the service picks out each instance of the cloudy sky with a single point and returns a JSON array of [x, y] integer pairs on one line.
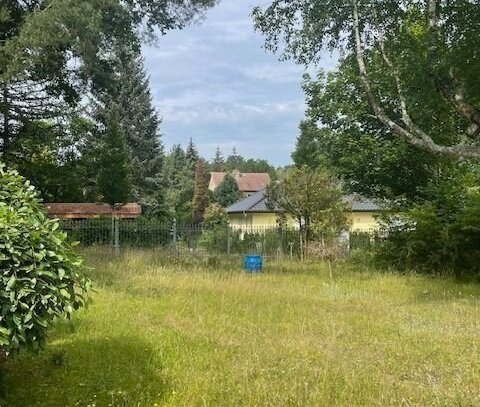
[[214, 82]]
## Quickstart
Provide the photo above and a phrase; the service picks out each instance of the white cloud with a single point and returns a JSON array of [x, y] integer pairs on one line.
[[273, 72], [232, 31], [215, 83]]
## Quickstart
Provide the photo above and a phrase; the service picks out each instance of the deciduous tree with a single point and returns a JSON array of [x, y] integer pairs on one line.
[[428, 45], [313, 197], [307, 149]]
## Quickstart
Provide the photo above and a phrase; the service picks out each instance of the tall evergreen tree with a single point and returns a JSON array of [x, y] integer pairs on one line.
[[40, 38], [200, 199], [227, 192], [114, 174], [234, 160], [140, 126], [218, 162], [192, 156], [180, 185]]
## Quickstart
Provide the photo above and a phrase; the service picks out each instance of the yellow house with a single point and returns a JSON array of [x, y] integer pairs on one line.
[[253, 212]]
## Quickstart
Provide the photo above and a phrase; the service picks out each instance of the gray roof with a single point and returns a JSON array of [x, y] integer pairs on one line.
[[258, 203], [358, 203]]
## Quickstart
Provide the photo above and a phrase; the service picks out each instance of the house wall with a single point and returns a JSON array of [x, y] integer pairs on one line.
[[362, 221], [357, 220], [253, 219]]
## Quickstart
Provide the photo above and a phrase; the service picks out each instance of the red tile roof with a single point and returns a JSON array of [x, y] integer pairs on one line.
[[247, 181], [92, 210]]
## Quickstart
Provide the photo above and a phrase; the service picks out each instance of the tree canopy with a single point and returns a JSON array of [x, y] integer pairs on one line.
[[53, 51], [408, 54], [313, 196]]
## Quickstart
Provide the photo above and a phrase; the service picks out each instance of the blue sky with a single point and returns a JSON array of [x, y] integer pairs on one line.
[[214, 82]]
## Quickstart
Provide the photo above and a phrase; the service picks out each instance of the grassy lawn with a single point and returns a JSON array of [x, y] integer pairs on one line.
[[296, 335]]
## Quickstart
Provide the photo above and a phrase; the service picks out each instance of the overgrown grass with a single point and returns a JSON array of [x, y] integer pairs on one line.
[[295, 335]]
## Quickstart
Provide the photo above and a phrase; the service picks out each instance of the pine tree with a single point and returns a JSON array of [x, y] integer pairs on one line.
[[113, 180], [218, 162], [227, 192], [192, 156], [234, 161], [180, 185], [140, 125], [200, 199]]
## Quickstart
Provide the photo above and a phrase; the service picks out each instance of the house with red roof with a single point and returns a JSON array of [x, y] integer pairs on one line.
[[248, 182]]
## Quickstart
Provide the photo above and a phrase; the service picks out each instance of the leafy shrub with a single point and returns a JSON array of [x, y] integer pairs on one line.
[[439, 234], [41, 276]]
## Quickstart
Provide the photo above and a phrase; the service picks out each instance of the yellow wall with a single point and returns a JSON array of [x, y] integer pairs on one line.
[[253, 219], [356, 220], [362, 221]]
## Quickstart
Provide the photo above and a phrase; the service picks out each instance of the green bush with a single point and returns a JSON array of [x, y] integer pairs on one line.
[[437, 235], [41, 276]]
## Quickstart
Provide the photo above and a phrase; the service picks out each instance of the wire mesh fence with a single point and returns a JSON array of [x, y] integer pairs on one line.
[[198, 239]]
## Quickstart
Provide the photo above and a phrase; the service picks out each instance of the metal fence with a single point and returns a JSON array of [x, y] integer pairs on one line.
[[197, 239]]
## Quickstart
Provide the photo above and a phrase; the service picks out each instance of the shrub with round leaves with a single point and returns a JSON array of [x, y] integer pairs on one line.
[[41, 277]]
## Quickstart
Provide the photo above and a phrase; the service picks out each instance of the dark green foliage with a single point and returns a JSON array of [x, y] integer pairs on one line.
[[114, 166], [140, 126], [39, 38], [52, 54], [218, 162], [180, 185], [200, 198], [216, 233], [42, 277], [233, 161], [227, 192], [405, 47], [50, 157], [307, 149], [191, 155], [369, 159], [236, 162], [440, 234], [215, 215]]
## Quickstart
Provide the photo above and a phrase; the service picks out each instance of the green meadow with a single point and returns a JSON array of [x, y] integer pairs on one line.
[[184, 333]]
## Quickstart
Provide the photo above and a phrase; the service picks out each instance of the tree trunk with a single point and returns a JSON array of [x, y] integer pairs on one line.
[[6, 120]]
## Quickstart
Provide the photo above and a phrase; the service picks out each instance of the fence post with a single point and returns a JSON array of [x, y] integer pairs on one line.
[[117, 236], [281, 242], [228, 241], [174, 234]]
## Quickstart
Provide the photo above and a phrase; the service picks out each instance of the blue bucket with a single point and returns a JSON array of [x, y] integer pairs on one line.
[[253, 264]]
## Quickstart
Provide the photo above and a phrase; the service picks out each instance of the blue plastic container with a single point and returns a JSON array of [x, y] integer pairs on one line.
[[253, 263]]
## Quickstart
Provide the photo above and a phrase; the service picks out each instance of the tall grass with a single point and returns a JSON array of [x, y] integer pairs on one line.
[[186, 333]]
